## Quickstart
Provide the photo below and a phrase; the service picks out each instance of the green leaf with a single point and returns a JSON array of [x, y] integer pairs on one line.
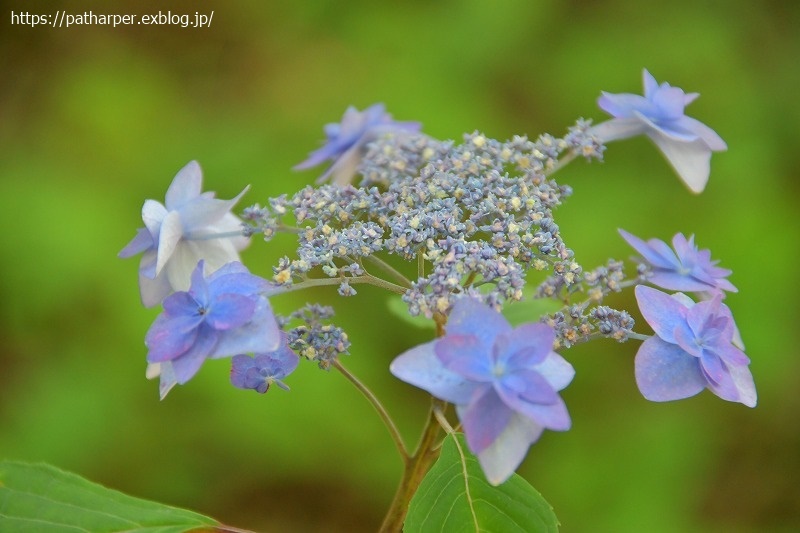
[[450, 499], [42, 498]]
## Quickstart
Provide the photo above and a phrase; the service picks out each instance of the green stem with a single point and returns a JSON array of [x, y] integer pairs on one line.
[[367, 278], [387, 420], [564, 161], [415, 469], [389, 269]]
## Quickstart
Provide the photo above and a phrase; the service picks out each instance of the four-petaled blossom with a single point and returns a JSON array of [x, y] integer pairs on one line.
[[190, 226], [503, 381], [264, 369], [346, 141], [693, 349], [224, 314], [685, 269], [685, 142]]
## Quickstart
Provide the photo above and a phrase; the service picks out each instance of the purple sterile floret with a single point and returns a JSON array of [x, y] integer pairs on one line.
[[221, 315], [264, 369], [191, 225], [345, 141], [687, 268], [693, 349], [504, 382], [685, 142]]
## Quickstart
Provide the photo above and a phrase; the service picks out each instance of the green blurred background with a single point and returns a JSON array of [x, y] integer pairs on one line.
[[93, 120]]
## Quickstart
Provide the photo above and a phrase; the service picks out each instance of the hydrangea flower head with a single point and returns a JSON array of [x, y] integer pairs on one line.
[[181, 232], [685, 142], [221, 315], [264, 369], [503, 381], [346, 141], [692, 350], [686, 268]]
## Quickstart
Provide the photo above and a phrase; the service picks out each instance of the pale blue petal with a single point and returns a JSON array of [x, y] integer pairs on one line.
[[259, 335], [215, 253], [142, 242], [181, 304], [506, 453], [664, 372], [471, 317], [708, 136], [187, 365], [664, 313], [185, 186], [235, 283], [464, 355], [153, 291], [169, 236], [618, 128], [153, 214], [551, 415], [167, 380], [650, 84], [557, 370], [743, 381], [421, 367], [650, 251], [675, 281], [690, 160], [524, 387], [200, 216], [623, 105], [484, 419], [712, 368], [230, 311], [524, 347], [170, 337]]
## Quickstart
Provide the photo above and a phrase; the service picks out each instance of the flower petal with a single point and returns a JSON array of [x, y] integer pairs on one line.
[[664, 372], [260, 334], [505, 454], [690, 160], [464, 355], [524, 347], [169, 338], [618, 128], [230, 311], [664, 313], [471, 317], [421, 367], [556, 370], [169, 236], [185, 186], [652, 252], [143, 241], [484, 419]]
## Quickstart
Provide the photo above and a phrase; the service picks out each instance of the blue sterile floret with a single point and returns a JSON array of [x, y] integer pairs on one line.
[[224, 314], [503, 381], [190, 226], [685, 142], [346, 141], [686, 268], [693, 349], [264, 369]]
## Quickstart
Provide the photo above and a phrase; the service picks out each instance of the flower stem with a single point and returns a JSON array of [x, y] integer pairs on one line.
[[367, 278], [387, 420], [415, 469], [389, 269]]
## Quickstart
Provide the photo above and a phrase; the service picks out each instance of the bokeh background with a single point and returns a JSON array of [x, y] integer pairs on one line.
[[93, 120]]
